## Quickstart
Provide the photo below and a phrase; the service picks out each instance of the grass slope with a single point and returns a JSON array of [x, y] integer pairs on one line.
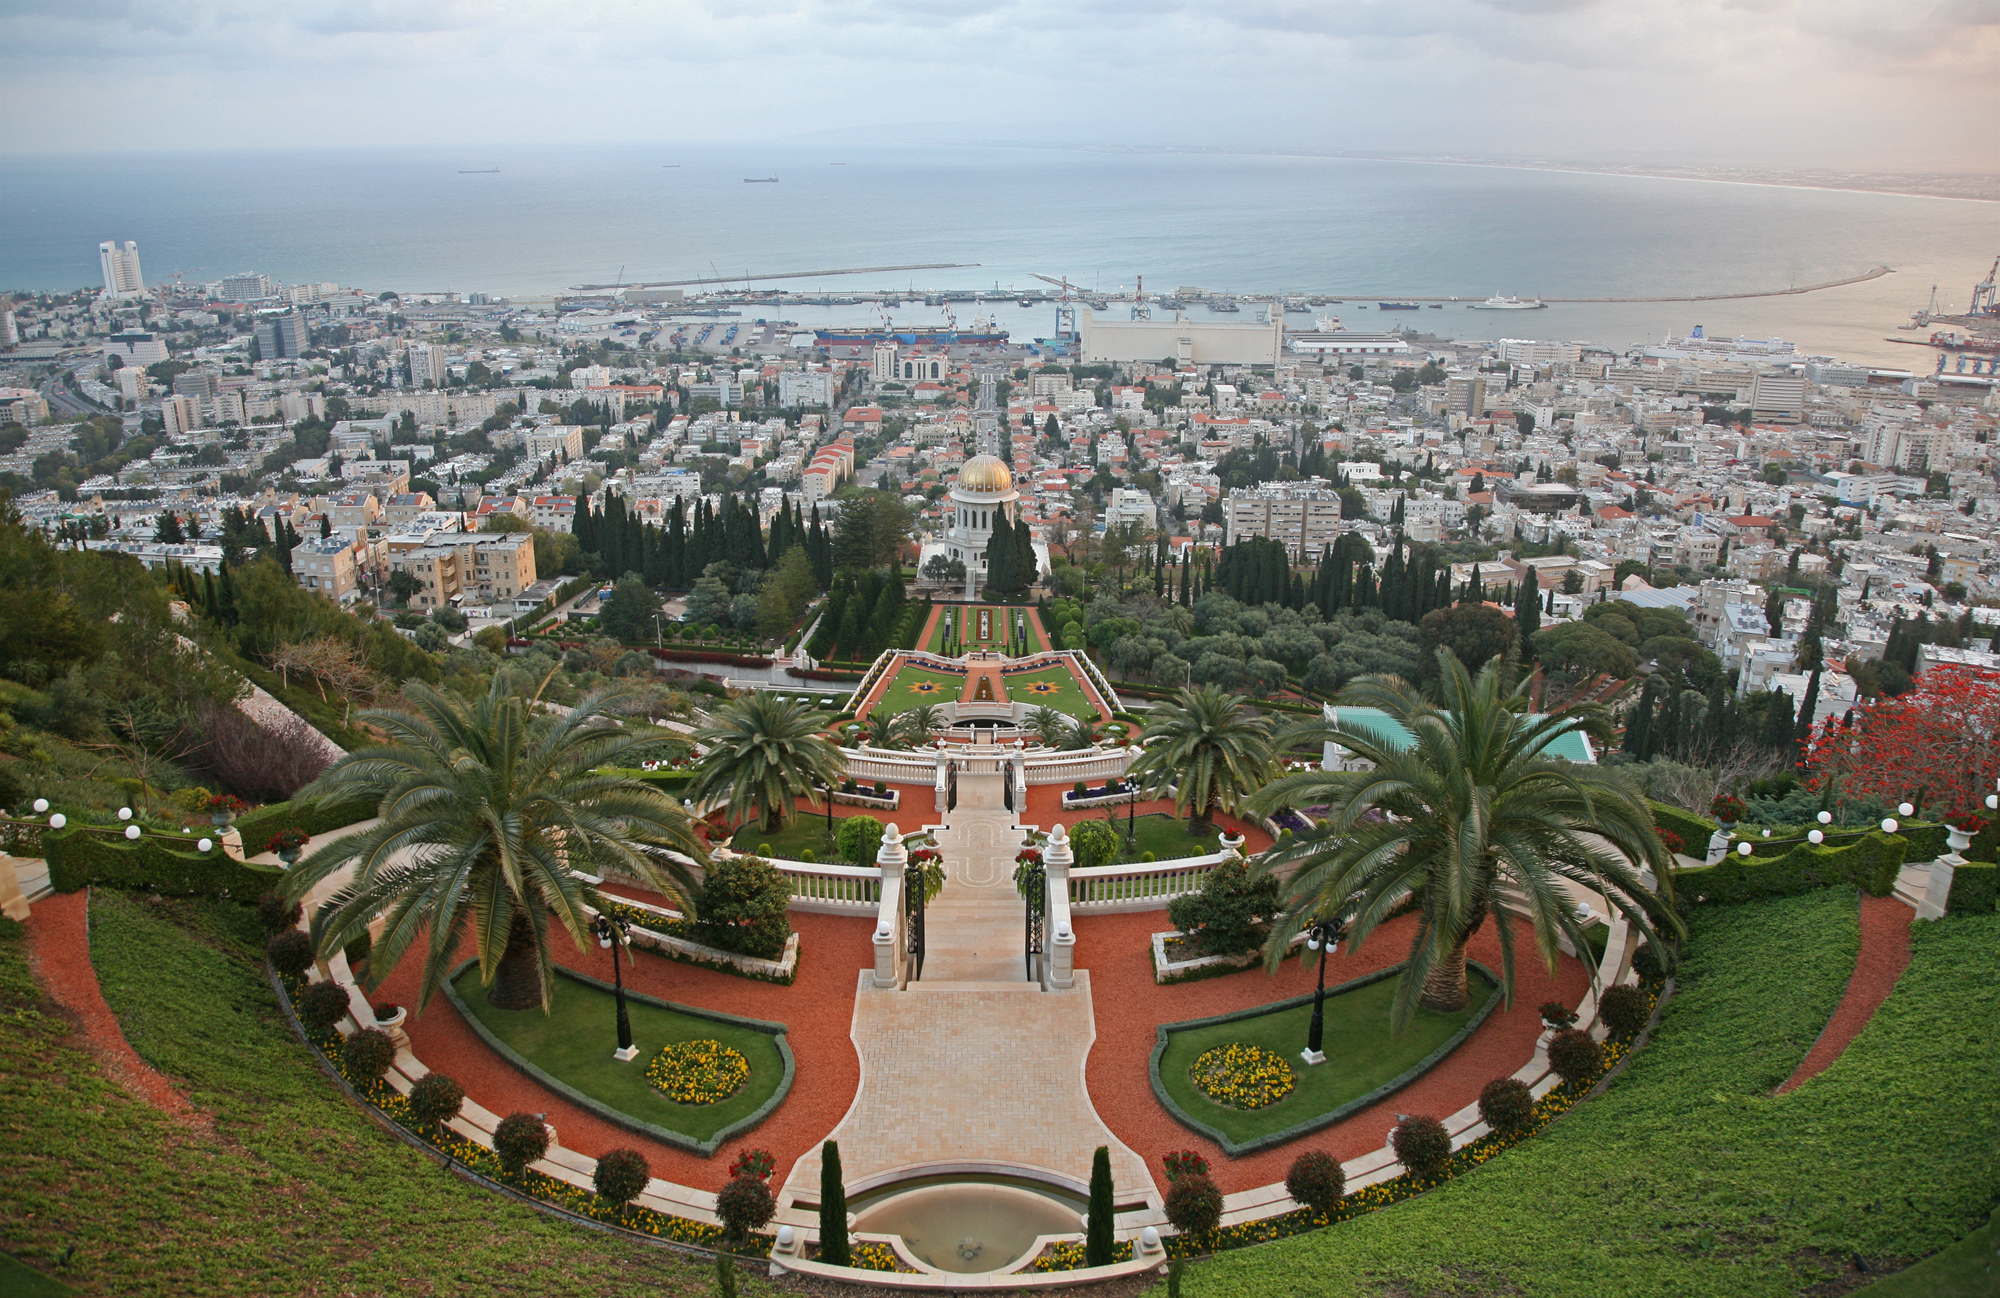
[[574, 1040], [901, 694], [1689, 1177], [293, 1192], [1067, 695], [1360, 1055]]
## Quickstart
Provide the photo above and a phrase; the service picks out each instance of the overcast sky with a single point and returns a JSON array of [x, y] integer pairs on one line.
[[1904, 84]]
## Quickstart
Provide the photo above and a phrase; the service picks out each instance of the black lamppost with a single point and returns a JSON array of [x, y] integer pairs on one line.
[[1324, 936], [826, 792], [609, 927]]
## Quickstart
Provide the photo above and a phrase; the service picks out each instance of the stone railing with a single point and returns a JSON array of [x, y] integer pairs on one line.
[[1067, 768], [828, 888], [1141, 885], [871, 764]]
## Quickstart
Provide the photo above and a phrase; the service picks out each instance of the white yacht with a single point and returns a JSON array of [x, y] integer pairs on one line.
[[1510, 303]]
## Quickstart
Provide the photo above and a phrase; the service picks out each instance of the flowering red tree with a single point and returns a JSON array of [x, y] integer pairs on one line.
[[1939, 737]]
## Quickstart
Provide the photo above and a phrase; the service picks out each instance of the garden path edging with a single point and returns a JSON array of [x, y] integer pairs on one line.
[[666, 1136], [1319, 1122]]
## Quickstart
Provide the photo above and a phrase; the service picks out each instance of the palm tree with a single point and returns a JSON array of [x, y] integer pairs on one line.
[[1212, 750], [884, 730], [494, 817], [918, 724], [1475, 815], [763, 751], [1050, 727]]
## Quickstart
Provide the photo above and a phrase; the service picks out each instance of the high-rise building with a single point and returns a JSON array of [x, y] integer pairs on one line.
[[426, 365], [10, 332], [120, 264], [1779, 397], [281, 336], [179, 414], [247, 287]]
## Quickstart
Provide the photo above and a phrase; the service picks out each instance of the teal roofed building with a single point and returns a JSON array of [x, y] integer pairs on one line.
[[1573, 746]]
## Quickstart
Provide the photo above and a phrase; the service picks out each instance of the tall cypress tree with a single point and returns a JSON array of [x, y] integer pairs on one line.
[[832, 1207], [1639, 728], [1528, 613]]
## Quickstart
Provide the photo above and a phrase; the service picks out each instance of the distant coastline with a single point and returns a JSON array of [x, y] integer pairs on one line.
[[1971, 188]]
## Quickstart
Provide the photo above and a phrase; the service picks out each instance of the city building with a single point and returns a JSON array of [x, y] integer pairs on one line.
[[329, 566], [479, 568], [246, 287], [282, 335], [805, 388], [120, 266], [1778, 397], [135, 347], [427, 365], [549, 439], [1305, 516], [1205, 342]]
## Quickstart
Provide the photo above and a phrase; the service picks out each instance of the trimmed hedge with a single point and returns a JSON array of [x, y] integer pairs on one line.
[[1972, 889], [78, 858], [1869, 863], [1694, 830], [258, 825]]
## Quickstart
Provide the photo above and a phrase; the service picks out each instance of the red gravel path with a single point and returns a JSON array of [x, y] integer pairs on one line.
[[817, 1011], [1884, 954], [59, 955], [1129, 1006]]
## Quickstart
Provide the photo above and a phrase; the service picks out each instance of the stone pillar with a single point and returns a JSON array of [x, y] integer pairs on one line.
[[1718, 847], [938, 756], [231, 841], [890, 859], [1937, 892], [13, 904], [1059, 969]]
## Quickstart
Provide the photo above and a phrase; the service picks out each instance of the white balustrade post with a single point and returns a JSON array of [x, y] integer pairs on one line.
[[1718, 847], [1937, 892], [1059, 970], [938, 765], [890, 859]]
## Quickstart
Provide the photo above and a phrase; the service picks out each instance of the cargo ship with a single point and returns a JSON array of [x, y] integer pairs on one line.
[[1398, 306], [1957, 341], [908, 338]]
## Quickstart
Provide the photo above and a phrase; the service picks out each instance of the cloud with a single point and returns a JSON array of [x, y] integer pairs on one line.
[[1548, 77]]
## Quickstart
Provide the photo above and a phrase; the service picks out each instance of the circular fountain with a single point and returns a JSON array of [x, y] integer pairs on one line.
[[969, 1226]]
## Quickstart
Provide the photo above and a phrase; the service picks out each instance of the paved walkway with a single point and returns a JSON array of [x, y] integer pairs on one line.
[[1884, 954], [975, 931]]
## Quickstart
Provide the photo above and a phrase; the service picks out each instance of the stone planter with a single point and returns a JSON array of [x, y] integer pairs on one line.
[[290, 856], [222, 819], [393, 1025], [1959, 839]]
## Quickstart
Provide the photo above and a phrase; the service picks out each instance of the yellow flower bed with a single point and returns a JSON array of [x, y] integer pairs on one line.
[[1238, 1076], [698, 1072]]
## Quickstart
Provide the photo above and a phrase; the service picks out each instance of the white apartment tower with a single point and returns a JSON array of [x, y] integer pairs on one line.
[[426, 365], [120, 263]]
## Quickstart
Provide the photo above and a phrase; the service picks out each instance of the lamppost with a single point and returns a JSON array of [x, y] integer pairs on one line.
[[1324, 936], [826, 792], [609, 927], [659, 636]]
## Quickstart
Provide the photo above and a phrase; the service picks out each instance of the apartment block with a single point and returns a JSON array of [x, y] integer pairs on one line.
[[1306, 519], [329, 567], [464, 567]]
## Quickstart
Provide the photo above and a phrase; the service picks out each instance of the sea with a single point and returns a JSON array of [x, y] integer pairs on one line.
[[552, 218]]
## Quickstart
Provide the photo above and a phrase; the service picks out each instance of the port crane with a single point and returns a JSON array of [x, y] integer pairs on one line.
[[1985, 297], [1140, 311], [1065, 312]]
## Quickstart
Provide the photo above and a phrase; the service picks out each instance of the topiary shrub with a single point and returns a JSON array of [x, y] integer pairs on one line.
[[881, 789], [1194, 1205], [1094, 843], [519, 1140], [744, 1205], [1624, 1010], [1652, 963], [1230, 914], [742, 907], [858, 838], [1079, 789], [321, 1005], [1575, 1055], [621, 1175], [435, 1099], [368, 1054], [1422, 1146], [276, 914], [1316, 1181], [290, 953], [1507, 1105], [809, 856]]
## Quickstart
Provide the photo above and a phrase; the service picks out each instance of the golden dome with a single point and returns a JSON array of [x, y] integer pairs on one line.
[[986, 473]]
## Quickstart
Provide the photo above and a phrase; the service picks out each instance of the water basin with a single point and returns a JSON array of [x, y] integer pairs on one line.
[[969, 1227]]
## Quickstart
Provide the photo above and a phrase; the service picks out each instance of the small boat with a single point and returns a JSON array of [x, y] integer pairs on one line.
[[1397, 306], [1437, 306], [760, 180]]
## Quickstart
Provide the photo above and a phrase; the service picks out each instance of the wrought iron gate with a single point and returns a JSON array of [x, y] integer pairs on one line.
[[913, 917], [951, 786], [1035, 888]]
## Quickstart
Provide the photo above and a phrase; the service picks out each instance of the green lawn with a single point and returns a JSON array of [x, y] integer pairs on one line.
[[1164, 836], [1968, 1269], [574, 1040], [1068, 696], [1689, 1177], [802, 832], [971, 638], [901, 694], [1360, 1056], [286, 1187]]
